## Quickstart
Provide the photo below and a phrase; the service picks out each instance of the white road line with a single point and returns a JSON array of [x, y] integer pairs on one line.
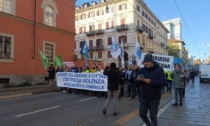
[[36, 111], [86, 99]]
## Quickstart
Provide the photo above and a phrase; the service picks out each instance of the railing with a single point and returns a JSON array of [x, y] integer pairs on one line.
[[150, 36], [139, 29], [99, 47], [122, 27], [97, 32], [90, 33]]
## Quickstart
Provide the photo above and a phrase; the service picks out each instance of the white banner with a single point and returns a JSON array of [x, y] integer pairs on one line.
[[86, 81], [68, 64], [166, 62]]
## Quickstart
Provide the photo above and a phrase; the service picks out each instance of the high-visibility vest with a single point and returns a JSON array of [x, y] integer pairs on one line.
[[169, 75]]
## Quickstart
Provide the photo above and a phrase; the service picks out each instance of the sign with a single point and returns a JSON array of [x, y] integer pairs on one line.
[[166, 62], [68, 64], [85, 81]]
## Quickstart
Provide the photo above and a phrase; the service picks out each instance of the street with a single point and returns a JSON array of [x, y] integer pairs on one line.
[[61, 109]]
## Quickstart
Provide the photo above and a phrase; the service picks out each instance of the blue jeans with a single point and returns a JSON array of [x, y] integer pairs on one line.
[[152, 106], [178, 91]]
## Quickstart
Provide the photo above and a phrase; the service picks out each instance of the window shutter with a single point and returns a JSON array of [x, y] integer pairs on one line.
[[93, 27], [125, 38], [84, 29], [125, 6], [112, 23], [120, 7]]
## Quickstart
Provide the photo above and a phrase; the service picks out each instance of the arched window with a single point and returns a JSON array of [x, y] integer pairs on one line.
[[49, 15], [50, 12], [7, 6]]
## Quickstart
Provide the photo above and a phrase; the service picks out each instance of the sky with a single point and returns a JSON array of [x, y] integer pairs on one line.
[[195, 19]]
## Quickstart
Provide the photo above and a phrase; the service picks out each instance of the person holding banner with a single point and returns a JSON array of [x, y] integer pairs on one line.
[[51, 72], [113, 86], [151, 79]]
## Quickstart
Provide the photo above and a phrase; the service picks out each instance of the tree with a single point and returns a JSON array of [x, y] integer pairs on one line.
[[174, 51]]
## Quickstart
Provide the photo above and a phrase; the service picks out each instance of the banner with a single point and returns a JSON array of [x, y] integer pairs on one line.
[[68, 64], [166, 62], [85, 81]]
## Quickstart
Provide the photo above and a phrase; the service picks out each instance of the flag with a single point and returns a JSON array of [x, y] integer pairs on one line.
[[58, 61], [137, 53], [178, 60], [122, 55], [84, 50], [45, 61], [115, 50]]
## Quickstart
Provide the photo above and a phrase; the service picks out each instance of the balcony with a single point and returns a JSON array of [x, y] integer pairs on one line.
[[162, 43], [139, 29], [90, 33], [101, 47], [150, 36], [99, 32], [122, 28], [91, 48]]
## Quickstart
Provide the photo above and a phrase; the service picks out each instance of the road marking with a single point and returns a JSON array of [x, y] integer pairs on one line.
[[128, 117], [86, 99], [41, 110]]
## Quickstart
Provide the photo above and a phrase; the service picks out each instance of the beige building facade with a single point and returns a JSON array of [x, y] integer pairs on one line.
[[128, 21]]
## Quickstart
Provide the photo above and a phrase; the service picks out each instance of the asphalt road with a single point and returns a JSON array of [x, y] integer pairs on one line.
[[61, 109]]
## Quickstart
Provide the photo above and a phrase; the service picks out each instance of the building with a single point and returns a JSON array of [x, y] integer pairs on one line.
[[174, 27], [183, 51], [29, 26], [126, 21]]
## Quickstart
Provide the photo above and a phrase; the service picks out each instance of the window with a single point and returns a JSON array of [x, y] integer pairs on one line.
[[138, 8], [110, 10], [122, 21], [49, 51], [109, 54], [99, 26], [5, 47], [122, 39], [98, 42], [122, 6], [50, 12], [100, 12], [91, 15], [91, 55], [109, 24], [90, 43], [138, 23], [110, 41], [99, 54], [83, 16], [82, 30], [80, 44], [91, 27], [6, 6]]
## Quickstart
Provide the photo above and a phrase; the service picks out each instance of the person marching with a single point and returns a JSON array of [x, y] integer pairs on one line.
[[113, 86]]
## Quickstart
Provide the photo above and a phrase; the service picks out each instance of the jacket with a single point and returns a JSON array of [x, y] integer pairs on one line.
[[113, 78], [152, 91], [178, 79]]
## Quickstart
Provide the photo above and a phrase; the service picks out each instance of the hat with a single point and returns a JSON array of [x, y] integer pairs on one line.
[[148, 58]]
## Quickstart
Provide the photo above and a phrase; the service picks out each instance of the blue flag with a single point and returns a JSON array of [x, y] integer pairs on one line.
[[115, 50], [84, 50]]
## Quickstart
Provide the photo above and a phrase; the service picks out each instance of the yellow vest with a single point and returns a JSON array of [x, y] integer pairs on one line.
[[169, 75]]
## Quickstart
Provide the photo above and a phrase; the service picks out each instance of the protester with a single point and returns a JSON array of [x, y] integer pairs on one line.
[[192, 76], [134, 86], [113, 86], [169, 80], [127, 80], [122, 82], [51, 72], [100, 70], [179, 82], [60, 69], [151, 79]]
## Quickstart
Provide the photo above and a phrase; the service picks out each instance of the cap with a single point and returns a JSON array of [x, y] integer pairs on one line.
[[148, 58]]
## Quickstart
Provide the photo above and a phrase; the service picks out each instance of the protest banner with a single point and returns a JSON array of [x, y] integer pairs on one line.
[[85, 81], [68, 64], [166, 62]]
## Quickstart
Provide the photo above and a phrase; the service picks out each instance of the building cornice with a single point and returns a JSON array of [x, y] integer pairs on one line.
[[30, 22], [97, 6]]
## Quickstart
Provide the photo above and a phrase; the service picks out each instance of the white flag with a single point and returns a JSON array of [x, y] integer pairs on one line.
[[115, 50], [122, 55], [137, 53]]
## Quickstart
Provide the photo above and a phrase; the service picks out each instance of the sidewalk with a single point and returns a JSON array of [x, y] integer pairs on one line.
[[24, 91], [195, 110]]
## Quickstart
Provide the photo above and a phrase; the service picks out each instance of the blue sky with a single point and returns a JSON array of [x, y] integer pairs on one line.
[[195, 21]]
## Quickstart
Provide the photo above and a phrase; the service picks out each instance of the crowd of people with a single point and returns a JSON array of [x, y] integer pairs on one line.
[[147, 84]]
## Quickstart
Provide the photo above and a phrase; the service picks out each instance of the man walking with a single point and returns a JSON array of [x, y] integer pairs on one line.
[[113, 86], [151, 79]]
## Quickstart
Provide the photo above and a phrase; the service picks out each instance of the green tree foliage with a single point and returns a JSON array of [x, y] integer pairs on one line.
[[174, 51]]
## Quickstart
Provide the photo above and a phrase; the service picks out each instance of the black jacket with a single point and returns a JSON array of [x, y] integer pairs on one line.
[[113, 78], [152, 91]]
